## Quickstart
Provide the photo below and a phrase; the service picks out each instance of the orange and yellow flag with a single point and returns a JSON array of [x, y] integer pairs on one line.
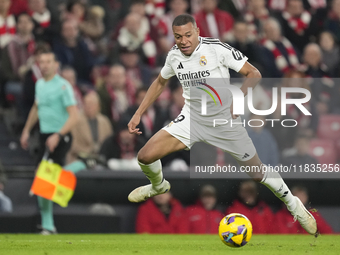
[[54, 183]]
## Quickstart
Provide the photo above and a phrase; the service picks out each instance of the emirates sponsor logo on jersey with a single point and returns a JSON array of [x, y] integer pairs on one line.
[[193, 75]]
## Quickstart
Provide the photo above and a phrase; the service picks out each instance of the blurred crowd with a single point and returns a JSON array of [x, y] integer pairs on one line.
[[110, 52], [165, 214]]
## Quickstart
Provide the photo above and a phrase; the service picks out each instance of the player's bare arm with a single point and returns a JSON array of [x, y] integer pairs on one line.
[[72, 120], [31, 121], [253, 76], [152, 94]]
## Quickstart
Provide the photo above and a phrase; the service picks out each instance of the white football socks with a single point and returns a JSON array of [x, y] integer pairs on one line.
[[153, 172], [275, 183]]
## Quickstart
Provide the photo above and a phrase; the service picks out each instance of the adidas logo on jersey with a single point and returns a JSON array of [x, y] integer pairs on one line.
[[180, 66], [245, 156]]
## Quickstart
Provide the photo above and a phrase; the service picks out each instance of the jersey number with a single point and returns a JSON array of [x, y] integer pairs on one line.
[[237, 55], [179, 118]]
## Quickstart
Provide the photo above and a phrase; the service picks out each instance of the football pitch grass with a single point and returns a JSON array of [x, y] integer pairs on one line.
[[74, 244]]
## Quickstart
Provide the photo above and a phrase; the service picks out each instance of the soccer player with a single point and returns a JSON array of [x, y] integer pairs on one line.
[[208, 57], [55, 107]]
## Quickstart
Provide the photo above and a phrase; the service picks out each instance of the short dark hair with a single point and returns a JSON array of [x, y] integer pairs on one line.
[[41, 47], [184, 19], [299, 188], [71, 3], [240, 21], [68, 68], [140, 90], [50, 52], [23, 14]]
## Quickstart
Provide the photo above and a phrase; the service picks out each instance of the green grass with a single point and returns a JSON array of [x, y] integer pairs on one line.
[[164, 244]]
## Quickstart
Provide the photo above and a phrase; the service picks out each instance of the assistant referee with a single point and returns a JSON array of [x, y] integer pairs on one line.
[[55, 108]]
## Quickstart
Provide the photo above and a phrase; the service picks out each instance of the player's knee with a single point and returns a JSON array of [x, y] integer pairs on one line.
[[144, 157]]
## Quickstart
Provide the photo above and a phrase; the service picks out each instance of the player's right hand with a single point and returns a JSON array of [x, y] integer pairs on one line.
[[24, 139], [133, 124]]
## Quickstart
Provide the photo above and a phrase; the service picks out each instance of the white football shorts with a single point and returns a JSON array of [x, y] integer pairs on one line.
[[232, 139]]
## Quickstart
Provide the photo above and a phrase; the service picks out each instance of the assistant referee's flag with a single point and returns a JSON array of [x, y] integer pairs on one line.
[[54, 183]]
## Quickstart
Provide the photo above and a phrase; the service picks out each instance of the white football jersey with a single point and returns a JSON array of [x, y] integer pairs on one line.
[[204, 74]]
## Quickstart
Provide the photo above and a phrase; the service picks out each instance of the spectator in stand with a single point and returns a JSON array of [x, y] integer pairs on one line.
[[312, 58], [138, 6], [7, 31], [31, 73], [177, 100], [279, 55], [153, 12], [284, 136], [307, 123], [94, 28], [164, 101], [276, 5], [15, 59], [177, 7], [46, 27], [195, 6], [330, 53], [134, 37], [301, 156], [72, 50], [7, 23], [243, 41], [137, 73], [116, 95], [120, 150], [234, 7], [213, 22], [332, 23], [18, 52], [203, 218], [91, 131], [153, 25], [264, 141], [151, 22], [162, 214], [165, 38], [323, 88], [76, 9], [249, 204], [69, 74], [90, 20], [298, 25], [155, 9], [256, 14], [262, 100], [285, 224], [311, 5], [5, 201]]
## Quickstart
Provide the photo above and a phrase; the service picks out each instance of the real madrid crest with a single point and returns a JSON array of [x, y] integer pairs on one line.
[[203, 61]]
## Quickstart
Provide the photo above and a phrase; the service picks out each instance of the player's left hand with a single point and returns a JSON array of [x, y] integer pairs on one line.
[[52, 142], [233, 116]]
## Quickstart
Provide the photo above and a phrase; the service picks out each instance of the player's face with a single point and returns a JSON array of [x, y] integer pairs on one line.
[[48, 65], [186, 38]]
